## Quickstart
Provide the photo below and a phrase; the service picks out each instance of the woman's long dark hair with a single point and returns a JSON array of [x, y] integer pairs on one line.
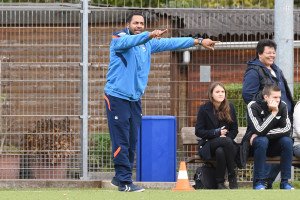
[[223, 112]]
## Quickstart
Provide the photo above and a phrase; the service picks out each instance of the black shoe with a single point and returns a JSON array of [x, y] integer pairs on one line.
[[233, 183], [221, 186]]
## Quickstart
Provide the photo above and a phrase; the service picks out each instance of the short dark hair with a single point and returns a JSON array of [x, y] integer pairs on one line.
[[136, 12], [264, 43], [270, 88]]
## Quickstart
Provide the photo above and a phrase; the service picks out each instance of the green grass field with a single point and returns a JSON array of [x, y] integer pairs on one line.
[[111, 194]]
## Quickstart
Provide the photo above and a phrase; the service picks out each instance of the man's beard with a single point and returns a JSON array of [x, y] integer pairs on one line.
[[132, 33]]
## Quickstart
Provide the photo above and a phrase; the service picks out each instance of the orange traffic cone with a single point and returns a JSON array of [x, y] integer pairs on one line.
[[183, 183]]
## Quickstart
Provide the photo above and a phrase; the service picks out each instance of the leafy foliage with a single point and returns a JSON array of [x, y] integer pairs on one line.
[[99, 151], [191, 3], [51, 140], [296, 91], [169, 3], [234, 94], [223, 3]]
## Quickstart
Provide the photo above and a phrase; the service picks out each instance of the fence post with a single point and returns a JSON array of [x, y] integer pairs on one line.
[[84, 88], [284, 37]]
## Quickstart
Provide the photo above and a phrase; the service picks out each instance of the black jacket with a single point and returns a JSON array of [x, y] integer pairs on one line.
[[263, 123], [208, 127]]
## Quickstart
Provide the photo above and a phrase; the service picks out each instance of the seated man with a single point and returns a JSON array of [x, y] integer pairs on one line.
[[269, 122]]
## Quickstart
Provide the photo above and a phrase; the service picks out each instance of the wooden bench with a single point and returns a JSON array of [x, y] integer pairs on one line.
[[190, 142]]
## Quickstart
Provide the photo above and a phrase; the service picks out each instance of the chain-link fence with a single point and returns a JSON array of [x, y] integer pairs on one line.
[[40, 84]]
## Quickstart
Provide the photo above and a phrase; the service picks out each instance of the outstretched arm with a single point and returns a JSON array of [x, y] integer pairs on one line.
[[127, 41], [168, 44], [206, 43]]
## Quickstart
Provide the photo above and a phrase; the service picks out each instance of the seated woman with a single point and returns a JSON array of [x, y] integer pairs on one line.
[[296, 130], [217, 127]]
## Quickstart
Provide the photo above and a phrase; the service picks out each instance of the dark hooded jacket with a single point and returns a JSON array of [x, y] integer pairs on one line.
[[257, 76]]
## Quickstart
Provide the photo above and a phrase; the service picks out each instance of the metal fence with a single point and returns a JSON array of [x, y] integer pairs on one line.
[[41, 77], [166, 3], [40, 91]]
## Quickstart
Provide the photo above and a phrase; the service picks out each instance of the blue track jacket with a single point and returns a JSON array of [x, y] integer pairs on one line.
[[130, 59]]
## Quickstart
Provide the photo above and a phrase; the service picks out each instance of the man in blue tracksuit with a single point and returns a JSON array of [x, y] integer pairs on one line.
[[127, 77], [260, 72]]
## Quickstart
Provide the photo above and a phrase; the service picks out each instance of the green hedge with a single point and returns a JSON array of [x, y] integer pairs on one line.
[[99, 151], [296, 92], [234, 95]]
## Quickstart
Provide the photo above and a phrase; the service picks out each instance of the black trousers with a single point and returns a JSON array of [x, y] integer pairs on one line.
[[224, 150]]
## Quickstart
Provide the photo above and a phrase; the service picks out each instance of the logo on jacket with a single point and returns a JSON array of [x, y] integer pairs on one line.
[[121, 34]]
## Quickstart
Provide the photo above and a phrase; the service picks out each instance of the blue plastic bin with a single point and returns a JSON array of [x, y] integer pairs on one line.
[[156, 149]]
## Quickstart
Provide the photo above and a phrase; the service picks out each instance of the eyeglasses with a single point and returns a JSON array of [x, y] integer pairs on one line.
[[270, 53]]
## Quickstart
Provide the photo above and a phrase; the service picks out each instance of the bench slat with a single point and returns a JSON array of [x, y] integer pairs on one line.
[[189, 138]]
